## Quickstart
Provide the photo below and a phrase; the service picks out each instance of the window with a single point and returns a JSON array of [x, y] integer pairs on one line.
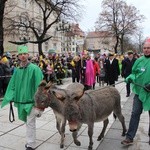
[[39, 26], [55, 46], [24, 3], [46, 46]]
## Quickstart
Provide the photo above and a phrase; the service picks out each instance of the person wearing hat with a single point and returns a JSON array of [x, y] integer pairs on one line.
[[21, 89], [76, 69], [6, 73], [126, 69], [2, 75], [87, 72], [111, 69], [68, 60], [140, 81]]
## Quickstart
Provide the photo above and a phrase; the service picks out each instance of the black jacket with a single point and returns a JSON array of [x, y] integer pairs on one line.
[[127, 67], [112, 70]]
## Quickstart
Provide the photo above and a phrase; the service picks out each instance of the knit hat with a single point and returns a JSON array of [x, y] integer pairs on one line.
[[85, 52], [22, 49], [4, 60], [147, 40], [110, 54], [130, 52]]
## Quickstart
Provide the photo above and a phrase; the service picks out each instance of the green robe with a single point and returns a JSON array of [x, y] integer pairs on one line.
[[141, 75], [21, 89]]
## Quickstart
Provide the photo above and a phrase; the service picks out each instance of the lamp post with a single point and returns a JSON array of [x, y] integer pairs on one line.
[[24, 36], [64, 28]]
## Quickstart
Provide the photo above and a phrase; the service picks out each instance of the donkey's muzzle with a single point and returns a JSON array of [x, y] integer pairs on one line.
[[74, 130]]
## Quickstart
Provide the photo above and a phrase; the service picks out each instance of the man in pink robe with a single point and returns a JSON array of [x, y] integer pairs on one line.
[[89, 73]]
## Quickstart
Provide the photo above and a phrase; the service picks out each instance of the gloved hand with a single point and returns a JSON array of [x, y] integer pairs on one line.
[[122, 75], [147, 87], [130, 78], [38, 112]]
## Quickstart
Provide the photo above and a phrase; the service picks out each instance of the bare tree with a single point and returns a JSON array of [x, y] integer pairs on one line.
[[129, 25], [129, 44], [2, 7], [139, 40], [52, 11], [120, 19]]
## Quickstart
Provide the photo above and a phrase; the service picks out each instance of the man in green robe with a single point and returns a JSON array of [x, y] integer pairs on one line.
[[140, 79], [21, 90]]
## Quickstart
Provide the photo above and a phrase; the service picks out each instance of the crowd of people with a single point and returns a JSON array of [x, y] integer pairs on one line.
[[82, 68]]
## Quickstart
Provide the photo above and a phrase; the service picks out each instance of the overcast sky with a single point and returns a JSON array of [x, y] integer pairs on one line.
[[93, 8]]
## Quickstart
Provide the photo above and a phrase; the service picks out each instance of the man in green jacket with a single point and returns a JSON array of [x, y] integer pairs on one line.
[[21, 90], [140, 79]]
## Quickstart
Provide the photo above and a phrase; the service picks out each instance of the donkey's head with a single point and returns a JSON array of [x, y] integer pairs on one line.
[[70, 98], [41, 96]]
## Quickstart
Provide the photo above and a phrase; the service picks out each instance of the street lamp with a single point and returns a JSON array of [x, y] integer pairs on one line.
[[64, 28], [24, 36]]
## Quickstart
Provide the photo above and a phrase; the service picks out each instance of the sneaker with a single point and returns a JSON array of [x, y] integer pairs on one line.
[[127, 142], [28, 148]]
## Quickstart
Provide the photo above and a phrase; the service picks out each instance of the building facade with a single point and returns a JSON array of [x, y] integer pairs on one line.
[[26, 12], [65, 36], [100, 41]]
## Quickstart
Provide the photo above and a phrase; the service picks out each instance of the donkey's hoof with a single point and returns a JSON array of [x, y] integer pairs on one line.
[[61, 145], [90, 147], [78, 143], [99, 138]]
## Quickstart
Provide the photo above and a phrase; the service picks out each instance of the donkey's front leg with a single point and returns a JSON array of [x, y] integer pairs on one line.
[[62, 130], [90, 133], [60, 125], [74, 135]]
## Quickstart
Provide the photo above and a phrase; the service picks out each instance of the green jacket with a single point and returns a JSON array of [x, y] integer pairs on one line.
[[21, 89], [141, 75]]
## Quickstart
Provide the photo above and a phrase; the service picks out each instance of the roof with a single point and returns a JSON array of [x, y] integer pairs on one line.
[[98, 34], [75, 29]]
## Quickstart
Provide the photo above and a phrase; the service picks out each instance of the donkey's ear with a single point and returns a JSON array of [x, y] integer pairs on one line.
[[79, 94], [41, 86], [48, 85], [59, 94], [43, 83]]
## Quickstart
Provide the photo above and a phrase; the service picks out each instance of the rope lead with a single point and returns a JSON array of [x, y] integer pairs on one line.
[[11, 113]]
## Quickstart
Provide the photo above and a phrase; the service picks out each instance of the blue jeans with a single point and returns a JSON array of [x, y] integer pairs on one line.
[[137, 109]]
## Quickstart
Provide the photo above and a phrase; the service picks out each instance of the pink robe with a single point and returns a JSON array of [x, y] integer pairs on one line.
[[89, 73]]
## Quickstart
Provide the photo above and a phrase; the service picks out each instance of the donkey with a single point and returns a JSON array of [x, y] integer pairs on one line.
[[44, 98], [89, 107]]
